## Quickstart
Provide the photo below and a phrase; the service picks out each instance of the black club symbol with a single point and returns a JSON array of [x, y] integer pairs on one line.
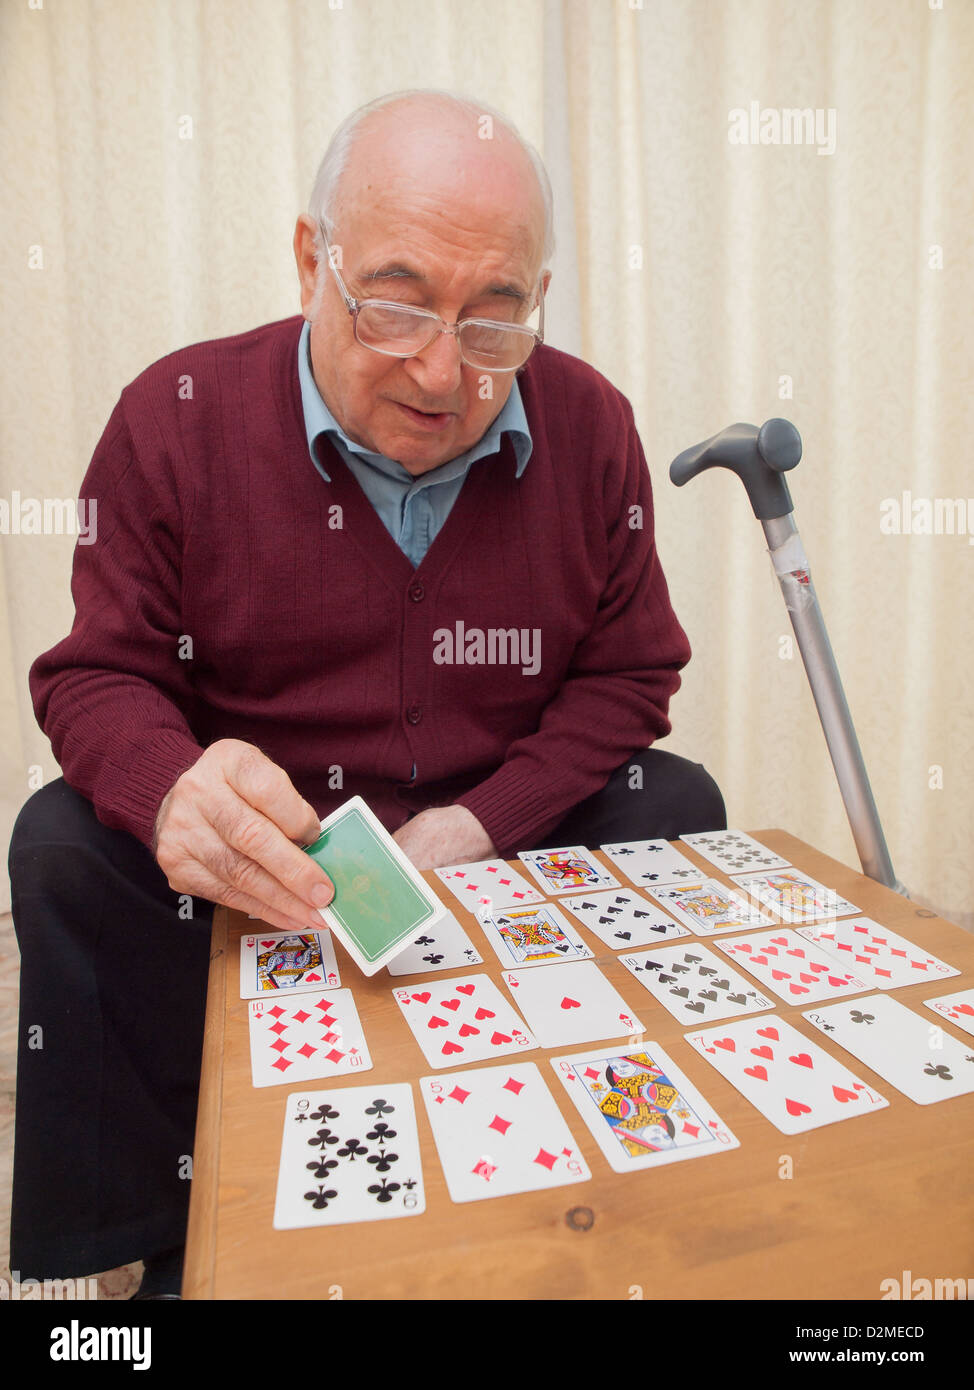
[[351, 1149], [323, 1137], [321, 1167], [325, 1112], [858, 1017], [384, 1190], [320, 1199], [941, 1071], [432, 960], [380, 1106], [425, 941], [382, 1132], [382, 1161]]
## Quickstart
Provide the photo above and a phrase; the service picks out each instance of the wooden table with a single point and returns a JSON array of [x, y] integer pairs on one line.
[[868, 1199]]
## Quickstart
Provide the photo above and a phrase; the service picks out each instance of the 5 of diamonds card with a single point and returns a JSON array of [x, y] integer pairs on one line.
[[302, 1039], [349, 1154], [287, 963], [791, 1080], [532, 936], [640, 1109], [465, 1019], [498, 1131]]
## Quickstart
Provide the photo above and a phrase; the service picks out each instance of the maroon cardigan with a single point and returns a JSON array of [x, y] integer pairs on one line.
[[233, 593]]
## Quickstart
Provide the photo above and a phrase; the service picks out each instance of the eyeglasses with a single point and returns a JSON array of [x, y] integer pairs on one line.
[[400, 330]]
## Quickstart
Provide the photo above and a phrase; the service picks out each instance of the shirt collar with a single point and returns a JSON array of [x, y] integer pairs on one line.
[[318, 419]]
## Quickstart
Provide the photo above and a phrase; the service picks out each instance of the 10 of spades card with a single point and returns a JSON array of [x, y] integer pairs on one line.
[[883, 959], [707, 907], [797, 970], [640, 1109], [695, 985], [794, 896], [303, 1039], [442, 946], [911, 1053], [624, 918], [791, 1080], [571, 870], [490, 884], [499, 1131], [571, 1003], [381, 901], [733, 852], [464, 1019], [349, 1154], [287, 963], [645, 862], [532, 936]]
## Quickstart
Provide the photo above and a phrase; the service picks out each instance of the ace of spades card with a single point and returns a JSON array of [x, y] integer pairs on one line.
[[349, 1154]]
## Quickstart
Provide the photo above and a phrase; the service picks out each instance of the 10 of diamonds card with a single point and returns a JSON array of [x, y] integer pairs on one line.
[[532, 936], [499, 1131], [640, 1108], [571, 870], [349, 1154], [465, 1019], [878, 955], [287, 963], [791, 1080], [695, 985], [624, 918], [797, 970], [708, 907], [306, 1038]]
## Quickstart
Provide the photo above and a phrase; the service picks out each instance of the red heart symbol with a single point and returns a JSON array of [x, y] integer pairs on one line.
[[268, 943], [315, 978], [759, 960], [833, 980], [466, 989], [484, 1013], [742, 946], [769, 1033], [499, 1038], [437, 1022], [728, 1044], [453, 1004], [467, 1029], [422, 998], [567, 1003], [795, 952], [843, 1095], [965, 1009], [780, 940], [814, 965], [770, 950], [803, 1059], [763, 1051], [809, 979], [795, 1107], [759, 1072], [780, 975], [449, 1047], [798, 989]]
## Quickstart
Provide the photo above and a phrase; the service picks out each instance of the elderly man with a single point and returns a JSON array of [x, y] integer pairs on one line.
[[392, 548]]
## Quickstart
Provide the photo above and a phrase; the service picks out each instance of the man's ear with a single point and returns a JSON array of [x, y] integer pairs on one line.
[[304, 255]]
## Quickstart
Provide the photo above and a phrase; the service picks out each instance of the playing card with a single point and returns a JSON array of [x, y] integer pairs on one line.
[[349, 1154], [958, 1008], [695, 985], [442, 946], [912, 1054], [571, 870], [488, 884], [303, 1039], [571, 1004], [796, 970], [623, 918], [877, 955], [791, 1080], [651, 861], [532, 936], [465, 1019], [794, 896], [640, 1109], [499, 1131], [733, 851], [381, 901], [708, 907], [287, 963]]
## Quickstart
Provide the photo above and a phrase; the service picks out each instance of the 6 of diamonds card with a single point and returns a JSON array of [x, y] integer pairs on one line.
[[287, 963], [791, 1080], [349, 1154], [465, 1019], [532, 936], [490, 884], [306, 1038], [878, 955], [707, 907], [498, 1131], [640, 1109]]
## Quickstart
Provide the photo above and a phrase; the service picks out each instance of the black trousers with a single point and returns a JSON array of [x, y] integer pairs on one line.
[[112, 996]]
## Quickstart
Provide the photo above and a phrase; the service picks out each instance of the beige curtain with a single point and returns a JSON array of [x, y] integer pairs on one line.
[[158, 152]]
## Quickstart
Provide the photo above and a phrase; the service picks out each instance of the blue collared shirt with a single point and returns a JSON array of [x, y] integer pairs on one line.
[[412, 510]]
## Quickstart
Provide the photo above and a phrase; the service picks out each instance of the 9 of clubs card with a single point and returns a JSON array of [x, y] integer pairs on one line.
[[349, 1155], [640, 1109], [499, 1131]]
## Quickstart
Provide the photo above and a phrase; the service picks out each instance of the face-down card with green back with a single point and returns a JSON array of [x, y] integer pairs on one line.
[[381, 901]]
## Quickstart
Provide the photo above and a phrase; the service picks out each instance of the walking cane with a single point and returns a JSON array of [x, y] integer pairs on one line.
[[760, 458]]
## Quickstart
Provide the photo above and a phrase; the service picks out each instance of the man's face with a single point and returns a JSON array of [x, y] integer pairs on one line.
[[425, 218]]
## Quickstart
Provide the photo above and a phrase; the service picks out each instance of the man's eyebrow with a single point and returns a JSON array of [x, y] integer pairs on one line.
[[397, 270]]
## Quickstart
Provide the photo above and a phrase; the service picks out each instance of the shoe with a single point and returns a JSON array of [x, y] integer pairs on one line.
[[162, 1276]]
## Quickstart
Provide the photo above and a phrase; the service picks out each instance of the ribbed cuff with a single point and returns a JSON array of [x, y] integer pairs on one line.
[[130, 793], [515, 809]]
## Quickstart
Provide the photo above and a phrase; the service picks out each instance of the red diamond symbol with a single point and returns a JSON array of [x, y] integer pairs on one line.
[[327, 1021], [511, 1085], [692, 1130], [280, 1046], [502, 1126], [276, 1011], [281, 1064], [334, 1056], [325, 1004], [307, 1050], [330, 1037], [458, 1094], [592, 1072], [546, 1159], [278, 1028], [484, 1168], [301, 1017]]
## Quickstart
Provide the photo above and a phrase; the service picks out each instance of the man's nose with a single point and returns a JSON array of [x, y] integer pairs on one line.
[[439, 365]]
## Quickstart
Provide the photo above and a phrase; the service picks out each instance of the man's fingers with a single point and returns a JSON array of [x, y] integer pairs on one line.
[[268, 788], [261, 859], [239, 901]]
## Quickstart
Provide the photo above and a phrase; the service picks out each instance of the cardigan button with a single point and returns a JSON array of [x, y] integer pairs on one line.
[[417, 593], [414, 714]]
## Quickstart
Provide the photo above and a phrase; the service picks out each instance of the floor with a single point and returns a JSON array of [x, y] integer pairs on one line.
[[110, 1284]]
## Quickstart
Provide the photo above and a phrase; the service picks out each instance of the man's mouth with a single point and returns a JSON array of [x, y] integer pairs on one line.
[[427, 419]]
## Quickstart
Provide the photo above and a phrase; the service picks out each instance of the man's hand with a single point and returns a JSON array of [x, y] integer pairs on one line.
[[444, 835], [226, 831]]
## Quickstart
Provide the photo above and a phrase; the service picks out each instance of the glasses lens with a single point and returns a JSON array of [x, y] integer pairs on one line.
[[495, 346], [393, 330]]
